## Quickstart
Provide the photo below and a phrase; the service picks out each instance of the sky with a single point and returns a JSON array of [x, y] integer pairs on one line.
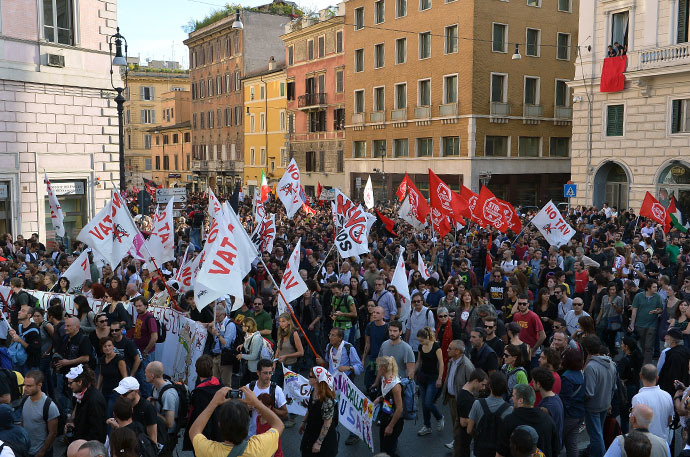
[[153, 28]]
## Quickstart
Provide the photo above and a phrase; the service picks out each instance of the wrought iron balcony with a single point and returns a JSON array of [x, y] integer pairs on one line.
[[311, 100]]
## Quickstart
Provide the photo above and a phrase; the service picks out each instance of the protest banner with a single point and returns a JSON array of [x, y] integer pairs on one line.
[[289, 189], [355, 410], [552, 225], [353, 238], [297, 389], [45, 297]]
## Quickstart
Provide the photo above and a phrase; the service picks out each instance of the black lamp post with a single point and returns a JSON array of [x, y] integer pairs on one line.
[[119, 60]]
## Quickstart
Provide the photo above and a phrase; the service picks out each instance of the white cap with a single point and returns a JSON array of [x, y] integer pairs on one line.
[[126, 385]]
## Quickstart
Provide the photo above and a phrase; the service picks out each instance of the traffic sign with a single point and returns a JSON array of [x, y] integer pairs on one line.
[[179, 194], [570, 190]]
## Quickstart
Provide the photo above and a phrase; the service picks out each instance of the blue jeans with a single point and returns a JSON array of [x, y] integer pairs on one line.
[[48, 387], [427, 394], [595, 429], [195, 236], [145, 388]]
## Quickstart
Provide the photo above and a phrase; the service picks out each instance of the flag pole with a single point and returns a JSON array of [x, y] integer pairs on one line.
[[523, 229], [287, 305], [324, 261]]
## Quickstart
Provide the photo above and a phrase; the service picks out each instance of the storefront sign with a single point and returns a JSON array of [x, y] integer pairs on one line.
[[68, 188]]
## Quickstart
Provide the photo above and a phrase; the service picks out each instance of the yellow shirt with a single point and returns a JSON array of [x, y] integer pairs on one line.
[[265, 444]]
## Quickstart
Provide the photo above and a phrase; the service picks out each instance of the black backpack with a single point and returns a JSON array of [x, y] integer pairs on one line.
[[62, 419], [271, 391], [147, 448], [16, 388], [183, 395], [488, 428], [197, 219], [16, 449], [162, 331]]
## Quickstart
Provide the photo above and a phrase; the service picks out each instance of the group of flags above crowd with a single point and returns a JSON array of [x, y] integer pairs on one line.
[[227, 256]]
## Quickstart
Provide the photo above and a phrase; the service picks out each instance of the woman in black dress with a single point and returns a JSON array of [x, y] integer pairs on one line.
[[318, 429], [391, 410], [113, 369]]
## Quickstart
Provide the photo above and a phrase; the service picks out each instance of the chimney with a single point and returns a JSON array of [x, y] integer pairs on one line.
[[271, 62]]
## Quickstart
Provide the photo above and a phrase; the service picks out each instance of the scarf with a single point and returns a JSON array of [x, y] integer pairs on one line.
[[248, 339], [336, 358], [79, 395], [388, 383]]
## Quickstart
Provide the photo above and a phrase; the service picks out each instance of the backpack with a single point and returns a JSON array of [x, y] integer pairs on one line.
[[488, 428], [197, 219], [147, 448], [5, 359], [33, 301], [162, 331], [409, 399], [62, 419], [183, 395], [271, 391], [621, 392], [16, 449], [16, 350], [15, 381], [267, 350]]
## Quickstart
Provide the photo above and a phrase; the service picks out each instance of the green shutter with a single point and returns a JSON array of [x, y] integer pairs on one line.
[[676, 116], [682, 36], [614, 120]]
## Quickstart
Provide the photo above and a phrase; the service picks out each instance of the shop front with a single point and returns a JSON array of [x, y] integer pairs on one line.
[[73, 200]]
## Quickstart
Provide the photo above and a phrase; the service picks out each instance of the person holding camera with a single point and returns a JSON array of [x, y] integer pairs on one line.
[[234, 427]]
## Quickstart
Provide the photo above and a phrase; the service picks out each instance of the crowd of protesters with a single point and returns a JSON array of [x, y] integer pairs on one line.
[[527, 344]]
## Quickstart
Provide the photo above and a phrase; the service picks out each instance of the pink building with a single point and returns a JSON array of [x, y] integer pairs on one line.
[[314, 54], [56, 113]]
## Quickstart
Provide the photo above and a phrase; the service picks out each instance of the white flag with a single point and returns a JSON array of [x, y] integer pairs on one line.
[[421, 266], [399, 281], [234, 223], [407, 213], [161, 243], [343, 208], [79, 271], [292, 286], [369, 194], [353, 237], [55, 210], [98, 235], [289, 189], [214, 206], [124, 228], [264, 234], [259, 209], [552, 225]]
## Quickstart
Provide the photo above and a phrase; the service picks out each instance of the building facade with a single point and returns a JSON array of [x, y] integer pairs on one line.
[[143, 110], [636, 140], [433, 84], [171, 144], [220, 57], [58, 113], [315, 59], [265, 127]]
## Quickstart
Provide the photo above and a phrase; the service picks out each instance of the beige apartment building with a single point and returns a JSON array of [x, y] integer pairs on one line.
[[143, 110], [435, 84], [171, 149]]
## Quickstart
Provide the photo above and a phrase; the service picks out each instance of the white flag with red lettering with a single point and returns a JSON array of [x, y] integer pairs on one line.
[[124, 228], [292, 286], [55, 210], [289, 189], [264, 234], [353, 237], [421, 266], [161, 243], [98, 234], [214, 206], [552, 225], [399, 281], [79, 271]]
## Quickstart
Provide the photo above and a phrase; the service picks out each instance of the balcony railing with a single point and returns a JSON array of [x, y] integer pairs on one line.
[[217, 165], [317, 136], [563, 112], [377, 116], [666, 56], [448, 109], [358, 118], [306, 100], [422, 112], [500, 109], [532, 111], [399, 114]]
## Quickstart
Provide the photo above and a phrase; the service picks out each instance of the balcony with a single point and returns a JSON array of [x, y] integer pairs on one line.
[[307, 101], [665, 57], [377, 117], [217, 165], [399, 115], [358, 118], [500, 109], [531, 110], [448, 110], [422, 112], [563, 113]]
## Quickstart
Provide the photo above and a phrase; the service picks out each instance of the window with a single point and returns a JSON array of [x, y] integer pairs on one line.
[[148, 116], [359, 18], [211, 120], [262, 122], [564, 5], [531, 91], [263, 157], [378, 148], [359, 149], [166, 163], [451, 39], [451, 146], [562, 93], [400, 8], [282, 89], [202, 119], [219, 117], [563, 46], [359, 60], [339, 119], [147, 93], [424, 5], [560, 147], [425, 147], [322, 46], [339, 81], [228, 117], [680, 121], [619, 28], [251, 93], [238, 83], [533, 2], [238, 115], [400, 50], [57, 21], [340, 162], [450, 89], [291, 90], [147, 164], [499, 38], [158, 162], [311, 161], [379, 12], [496, 146], [210, 87], [401, 96], [262, 93], [498, 88], [175, 138], [282, 121], [379, 55], [379, 99], [528, 146], [424, 92], [359, 101], [532, 43], [322, 161], [228, 83], [614, 120], [127, 117], [317, 121], [401, 148], [187, 137], [339, 41], [425, 45], [251, 123], [252, 156], [291, 55], [177, 165], [682, 30], [158, 140], [219, 85], [147, 141]]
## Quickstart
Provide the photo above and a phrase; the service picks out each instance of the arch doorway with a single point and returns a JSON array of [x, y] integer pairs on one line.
[[674, 181], [611, 186]]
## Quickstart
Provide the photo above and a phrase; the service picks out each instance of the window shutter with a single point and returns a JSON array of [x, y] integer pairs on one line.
[[143, 116], [676, 116], [141, 92], [152, 91], [682, 21], [153, 116], [614, 123]]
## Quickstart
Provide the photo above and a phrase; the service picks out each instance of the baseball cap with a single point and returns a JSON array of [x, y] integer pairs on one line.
[[126, 385], [74, 372]]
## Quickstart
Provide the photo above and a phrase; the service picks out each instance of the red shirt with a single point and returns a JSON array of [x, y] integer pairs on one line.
[[581, 280], [531, 326], [555, 389], [143, 329], [262, 428]]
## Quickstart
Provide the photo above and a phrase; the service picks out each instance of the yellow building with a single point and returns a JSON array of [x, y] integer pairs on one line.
[[265, 126]]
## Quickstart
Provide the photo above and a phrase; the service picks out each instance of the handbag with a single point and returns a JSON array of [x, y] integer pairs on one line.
[[614, 323]]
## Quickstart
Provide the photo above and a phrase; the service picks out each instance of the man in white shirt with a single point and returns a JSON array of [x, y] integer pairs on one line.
[[565, 304], [658, 400], [420, 317], [574, 314], [264, 369]]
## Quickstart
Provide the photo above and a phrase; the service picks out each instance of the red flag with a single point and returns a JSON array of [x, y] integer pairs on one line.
[[489, 260], [319, 189], [654, 210], [417, 201], [440, 223], [387, 222], [613, 74], [402, 188], [471, 212], [460, 208], [496, 212], [440, 194]]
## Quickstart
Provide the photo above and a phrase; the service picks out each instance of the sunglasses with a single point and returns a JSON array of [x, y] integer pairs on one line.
[[417, 301], [115, 330], [523, 303], [102, 321], [489, 326], [451, 290], [441, 316]]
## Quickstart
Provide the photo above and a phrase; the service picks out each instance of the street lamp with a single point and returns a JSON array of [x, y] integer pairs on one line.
[[484, 177], [516, 54], [237, 25], [119, 60]]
